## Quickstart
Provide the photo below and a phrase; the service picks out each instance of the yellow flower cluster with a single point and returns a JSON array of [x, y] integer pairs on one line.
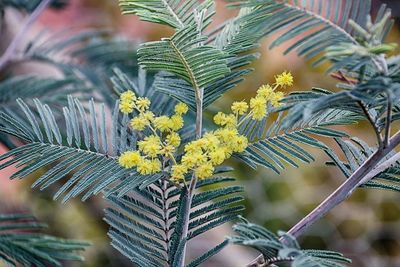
[[200, 156], [258, 104], [163, 141]]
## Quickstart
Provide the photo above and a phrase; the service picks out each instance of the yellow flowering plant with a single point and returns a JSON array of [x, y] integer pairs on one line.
[[156, 156], [159, 150]]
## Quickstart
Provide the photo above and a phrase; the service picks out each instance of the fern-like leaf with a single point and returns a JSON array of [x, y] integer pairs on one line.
[[185, 56], [176, 14], [22, 243], [274, 146], [356, 152], [283, 248], [318, 24], [146, 223]]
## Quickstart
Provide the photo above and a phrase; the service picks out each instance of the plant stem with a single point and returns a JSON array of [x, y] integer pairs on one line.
[[388, 119], [193, 181], [372, 122], [363, 174], [8, 54]]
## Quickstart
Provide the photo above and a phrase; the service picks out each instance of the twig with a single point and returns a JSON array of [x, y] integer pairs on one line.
[[388, 119], [365, 172], [380, 168], [8, 54], [372, 122]]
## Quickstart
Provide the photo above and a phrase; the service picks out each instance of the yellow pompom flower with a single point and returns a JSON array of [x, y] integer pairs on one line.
[[226, 135], [148, 115], [139, 123], [199, 158], [151, 146], [178, 173], [181, 109], [259, 107], [176, 122], [220, 118], [128, 96], [143, 103], [217, 156], [227, 151], [188, 161], [276, 98], [240, 107], [155, 166], [284, 79], [240, 143], [162, 123], [258, 102], [265, 91], [230, 121], [204, 170], [211, 141], [145, 167], [192, 148], [173, 139], [129, 159], [126, 107]]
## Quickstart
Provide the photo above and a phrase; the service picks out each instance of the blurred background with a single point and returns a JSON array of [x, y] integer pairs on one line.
[[366, 228]]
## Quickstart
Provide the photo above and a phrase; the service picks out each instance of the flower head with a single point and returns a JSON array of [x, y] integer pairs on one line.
[[284, 79], [259, 107], [217, 156], [145, 167], [178, 173], [181, 109], [176, 122], [173, 139], [204, 170], [162, 123], [143, 103], [265, 91], [129, 159], [139, 123], [148, 115], [220, 118], [126, 107], [128, 96], [240, 107], [276, 98], [151, 146]]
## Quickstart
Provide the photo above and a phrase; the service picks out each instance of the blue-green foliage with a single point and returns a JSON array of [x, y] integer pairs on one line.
[[22, 243], [146, 223], [283, 248], [318, 24], [356, 152]]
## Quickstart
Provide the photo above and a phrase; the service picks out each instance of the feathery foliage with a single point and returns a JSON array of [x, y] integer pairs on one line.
[[185, 56], [318, 24], [77, 146], [22, 243], [148, 219], [356, 152], [283, 248], [274, 145], [152, 218]]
